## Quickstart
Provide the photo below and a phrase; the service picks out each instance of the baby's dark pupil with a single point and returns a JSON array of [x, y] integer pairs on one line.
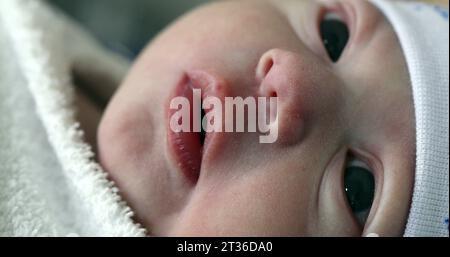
[[359, 187], [335, 36]]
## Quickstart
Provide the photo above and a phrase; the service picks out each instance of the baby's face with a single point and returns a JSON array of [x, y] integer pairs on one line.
[[343, 162]]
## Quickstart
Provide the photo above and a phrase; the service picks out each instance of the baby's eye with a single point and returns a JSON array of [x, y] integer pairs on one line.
[[334, 33], [359, 187]]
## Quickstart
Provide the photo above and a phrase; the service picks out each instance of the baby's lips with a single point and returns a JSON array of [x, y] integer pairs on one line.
[[211, 85], [186, 148]]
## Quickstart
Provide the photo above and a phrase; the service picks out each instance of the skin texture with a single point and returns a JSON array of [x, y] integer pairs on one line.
[[361, 105]]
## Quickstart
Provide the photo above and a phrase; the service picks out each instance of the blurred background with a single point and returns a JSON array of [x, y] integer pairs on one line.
[[125, 26]]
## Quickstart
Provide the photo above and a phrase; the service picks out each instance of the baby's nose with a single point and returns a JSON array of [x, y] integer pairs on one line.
[[290, 77]]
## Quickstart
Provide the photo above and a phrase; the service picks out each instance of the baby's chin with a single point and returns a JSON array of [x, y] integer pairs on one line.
[[132, 147], [125, 133], [132, 125]]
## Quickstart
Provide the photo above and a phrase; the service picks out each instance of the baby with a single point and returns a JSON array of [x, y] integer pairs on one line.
[[348, 159]]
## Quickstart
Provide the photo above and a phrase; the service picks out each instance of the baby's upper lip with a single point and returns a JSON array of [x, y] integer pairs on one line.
[[188, 154]]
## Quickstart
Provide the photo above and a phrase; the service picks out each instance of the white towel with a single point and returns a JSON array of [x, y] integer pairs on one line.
[[49, 184]]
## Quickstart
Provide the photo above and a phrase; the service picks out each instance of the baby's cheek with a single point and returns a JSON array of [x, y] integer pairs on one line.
[[255, 203]]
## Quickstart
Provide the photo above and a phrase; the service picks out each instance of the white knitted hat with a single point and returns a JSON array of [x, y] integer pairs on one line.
[[423, 33]]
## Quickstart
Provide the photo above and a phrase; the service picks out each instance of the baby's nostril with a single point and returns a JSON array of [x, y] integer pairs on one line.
[[268, 66], [264, 66]]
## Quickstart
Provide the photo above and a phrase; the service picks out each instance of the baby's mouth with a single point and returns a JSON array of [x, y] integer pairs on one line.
[[187, 148]]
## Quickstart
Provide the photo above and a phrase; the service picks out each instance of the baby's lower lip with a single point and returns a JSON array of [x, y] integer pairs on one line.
[[186, 147]]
